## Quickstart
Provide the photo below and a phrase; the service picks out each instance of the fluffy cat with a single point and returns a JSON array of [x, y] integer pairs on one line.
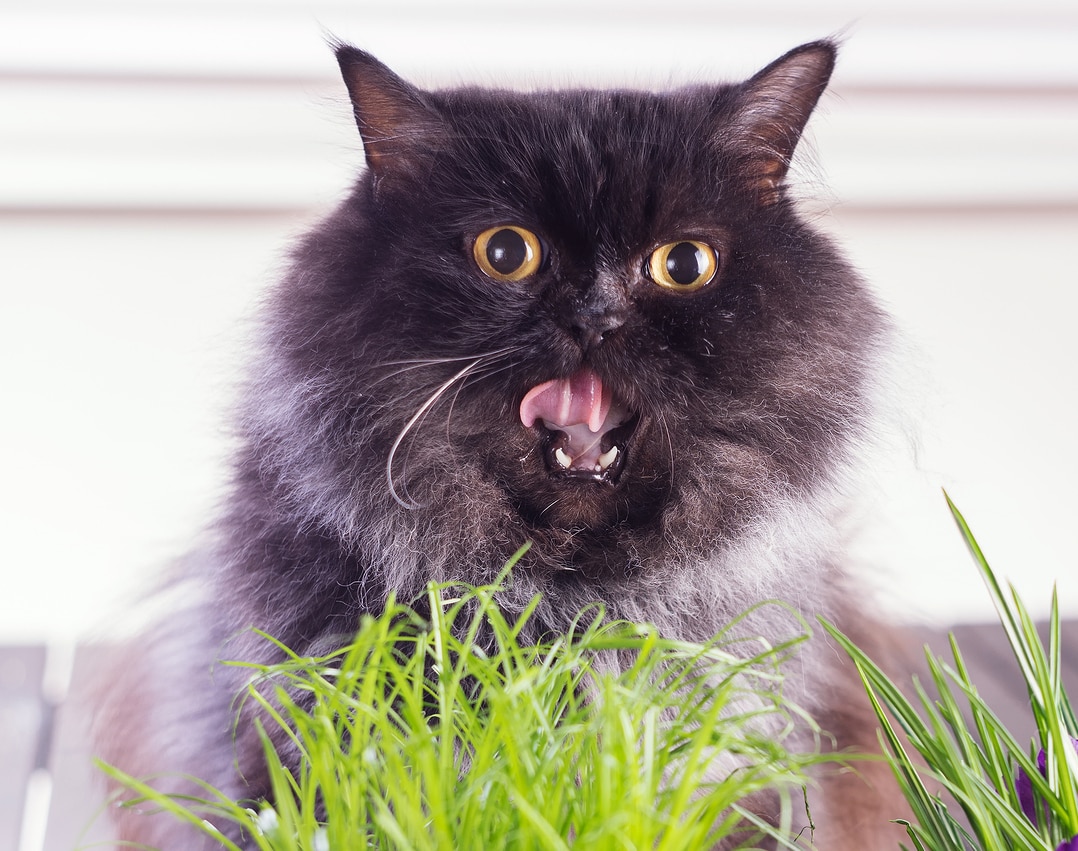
[[593, 320]]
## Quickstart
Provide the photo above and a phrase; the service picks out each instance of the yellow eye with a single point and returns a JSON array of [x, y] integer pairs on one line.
[[684, 266], [508, 253]]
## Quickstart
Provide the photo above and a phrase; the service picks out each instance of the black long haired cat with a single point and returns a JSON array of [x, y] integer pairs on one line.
[[593, 320]]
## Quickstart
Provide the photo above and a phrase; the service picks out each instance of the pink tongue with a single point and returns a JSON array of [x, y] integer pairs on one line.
[[566, 402]]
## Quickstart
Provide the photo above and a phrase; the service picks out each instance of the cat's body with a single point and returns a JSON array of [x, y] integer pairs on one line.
[[514, 276]]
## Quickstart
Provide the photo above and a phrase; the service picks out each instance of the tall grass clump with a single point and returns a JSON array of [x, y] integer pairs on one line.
[[441, 730], [1014, 796]]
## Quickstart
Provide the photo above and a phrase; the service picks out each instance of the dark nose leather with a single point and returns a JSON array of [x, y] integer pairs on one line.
[[603, 308], [592, 326]]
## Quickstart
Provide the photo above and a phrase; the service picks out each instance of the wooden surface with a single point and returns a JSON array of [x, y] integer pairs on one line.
[[23, 727], [51, 799]]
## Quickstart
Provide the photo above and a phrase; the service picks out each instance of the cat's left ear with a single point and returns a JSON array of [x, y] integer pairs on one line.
[[393, 116], [771, 112]]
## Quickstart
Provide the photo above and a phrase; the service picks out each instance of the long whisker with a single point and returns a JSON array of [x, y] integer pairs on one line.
[[661, 418], [426, 406], [431, 361], [488, 370], [419, 363]]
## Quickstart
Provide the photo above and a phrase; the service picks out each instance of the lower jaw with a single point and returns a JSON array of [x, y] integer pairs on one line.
[[570, 505], [575, 504], [607, 464]]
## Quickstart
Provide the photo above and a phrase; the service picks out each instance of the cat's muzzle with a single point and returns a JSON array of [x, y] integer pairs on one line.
[[584, 431]]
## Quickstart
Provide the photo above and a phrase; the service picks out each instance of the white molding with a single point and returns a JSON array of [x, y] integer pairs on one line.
[[235, 104], [945, 44], [110, 145]]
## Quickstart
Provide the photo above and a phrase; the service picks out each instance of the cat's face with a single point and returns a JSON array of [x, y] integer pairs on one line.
[[600, 304]]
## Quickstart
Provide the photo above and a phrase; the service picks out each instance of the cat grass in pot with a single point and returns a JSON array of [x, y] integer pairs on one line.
[[589, 319]]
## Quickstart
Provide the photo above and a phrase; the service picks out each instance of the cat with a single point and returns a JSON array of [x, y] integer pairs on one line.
[[593, 320]]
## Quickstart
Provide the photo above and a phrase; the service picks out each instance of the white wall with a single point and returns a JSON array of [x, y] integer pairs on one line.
[[155, 158]]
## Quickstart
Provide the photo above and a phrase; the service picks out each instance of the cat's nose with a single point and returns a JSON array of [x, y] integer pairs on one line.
[[591, 326], [604, 308]]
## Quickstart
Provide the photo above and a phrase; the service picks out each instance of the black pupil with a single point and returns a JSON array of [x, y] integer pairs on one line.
[[507, 251], [683, 263]]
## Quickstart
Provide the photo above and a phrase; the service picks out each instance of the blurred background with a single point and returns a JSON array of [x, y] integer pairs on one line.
[[157, 158]]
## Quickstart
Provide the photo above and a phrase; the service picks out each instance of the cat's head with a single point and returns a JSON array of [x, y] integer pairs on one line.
[[593, 313]]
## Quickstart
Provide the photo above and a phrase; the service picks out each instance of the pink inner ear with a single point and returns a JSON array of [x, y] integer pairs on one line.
[[567, 401]]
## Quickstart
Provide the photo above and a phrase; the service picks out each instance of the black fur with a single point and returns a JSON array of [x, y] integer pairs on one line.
[[751, 393]]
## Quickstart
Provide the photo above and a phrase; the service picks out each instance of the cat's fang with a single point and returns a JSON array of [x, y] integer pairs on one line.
[[562, 458], [607, 458]]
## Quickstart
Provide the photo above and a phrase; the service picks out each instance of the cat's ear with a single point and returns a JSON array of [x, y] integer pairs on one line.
[[393, 117], [771, 112]]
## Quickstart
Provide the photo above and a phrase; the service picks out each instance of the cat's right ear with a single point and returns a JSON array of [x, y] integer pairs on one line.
[[393, 117], [772, 110]]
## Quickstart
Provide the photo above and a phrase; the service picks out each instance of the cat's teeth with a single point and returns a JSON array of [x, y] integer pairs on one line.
[[607, 458], [562, 458]]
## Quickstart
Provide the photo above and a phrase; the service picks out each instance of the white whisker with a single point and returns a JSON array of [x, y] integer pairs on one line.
[[661, 418], [419, 363], [475, 362], [485, 373], [426, 406]]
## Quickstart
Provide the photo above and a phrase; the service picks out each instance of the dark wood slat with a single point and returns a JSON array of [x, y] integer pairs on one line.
[[999, 683], [77, 818], [22, 715], [1068, 639], [995, 672], [76, 813]]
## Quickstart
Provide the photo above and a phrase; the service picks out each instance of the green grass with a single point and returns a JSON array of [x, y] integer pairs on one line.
[[416, 737], [966, 751]]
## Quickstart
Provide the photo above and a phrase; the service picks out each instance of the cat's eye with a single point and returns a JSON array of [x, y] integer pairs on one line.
[[508, 253], [683, 266]]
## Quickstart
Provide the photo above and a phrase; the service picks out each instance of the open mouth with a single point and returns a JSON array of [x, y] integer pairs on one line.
[[584, 431]]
